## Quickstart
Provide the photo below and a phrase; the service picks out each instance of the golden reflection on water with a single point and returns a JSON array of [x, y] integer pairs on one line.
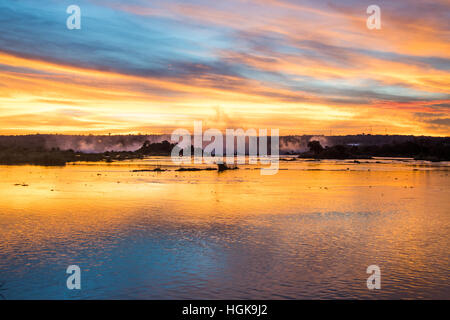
[[308, 231]]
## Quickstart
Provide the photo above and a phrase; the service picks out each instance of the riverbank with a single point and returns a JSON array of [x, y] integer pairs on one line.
[[420, 149], [55, 157]]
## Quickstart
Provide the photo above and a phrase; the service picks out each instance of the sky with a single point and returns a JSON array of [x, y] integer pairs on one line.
[[304, 67]]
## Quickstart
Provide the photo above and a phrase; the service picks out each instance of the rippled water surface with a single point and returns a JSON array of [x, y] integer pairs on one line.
[[309, 231]]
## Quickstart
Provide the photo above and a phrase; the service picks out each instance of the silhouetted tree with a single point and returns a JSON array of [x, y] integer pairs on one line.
[[315, 147]]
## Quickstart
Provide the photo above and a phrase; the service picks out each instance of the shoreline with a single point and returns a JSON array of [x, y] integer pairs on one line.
[[418, 150]]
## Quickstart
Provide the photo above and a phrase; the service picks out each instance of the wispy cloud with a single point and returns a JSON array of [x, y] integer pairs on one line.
[[303, 67]]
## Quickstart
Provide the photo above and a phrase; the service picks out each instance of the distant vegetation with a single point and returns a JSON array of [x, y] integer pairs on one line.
[[418, 148], [41, 149], [13, 155], [155, 149], [56, 157]]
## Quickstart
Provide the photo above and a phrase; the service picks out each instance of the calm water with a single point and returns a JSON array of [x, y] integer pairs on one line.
[[308, 232]]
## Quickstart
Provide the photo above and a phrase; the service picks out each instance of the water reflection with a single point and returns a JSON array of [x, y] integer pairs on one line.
[[308, 232]]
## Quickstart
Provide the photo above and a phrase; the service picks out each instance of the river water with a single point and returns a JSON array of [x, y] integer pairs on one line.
[[310, 231]]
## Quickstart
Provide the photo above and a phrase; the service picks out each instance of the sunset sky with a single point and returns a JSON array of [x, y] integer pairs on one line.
[[305, 67]]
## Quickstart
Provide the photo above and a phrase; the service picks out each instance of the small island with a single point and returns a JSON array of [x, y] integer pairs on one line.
[[418, 149]]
